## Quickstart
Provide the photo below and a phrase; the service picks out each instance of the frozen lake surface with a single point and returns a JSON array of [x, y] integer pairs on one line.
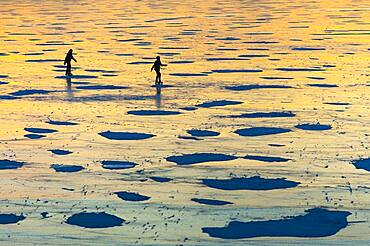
[[260, 134]]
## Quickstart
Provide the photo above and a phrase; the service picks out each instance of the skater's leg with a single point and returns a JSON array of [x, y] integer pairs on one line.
[[159, 78], [68, 71]]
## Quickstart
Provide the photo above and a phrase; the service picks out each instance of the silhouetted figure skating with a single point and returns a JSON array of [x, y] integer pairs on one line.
[[157, 68], [67, 61]]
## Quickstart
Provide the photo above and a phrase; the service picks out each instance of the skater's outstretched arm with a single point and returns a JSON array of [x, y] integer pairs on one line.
[[152, 67], [74, 59]]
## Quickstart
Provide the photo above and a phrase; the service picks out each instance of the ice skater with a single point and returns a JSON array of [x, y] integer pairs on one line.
[[67, 61], [157, 68]]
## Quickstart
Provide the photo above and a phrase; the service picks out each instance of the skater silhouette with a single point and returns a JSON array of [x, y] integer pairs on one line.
[[157, 68], [67, 60]]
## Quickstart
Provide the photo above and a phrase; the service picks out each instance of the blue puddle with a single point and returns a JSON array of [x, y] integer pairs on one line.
[[162, 86], [161, 179], [131, 196], [66, 168], [39, 130], [237, 71], [266, 158], [323, 85], [34, 136], [3, 83], [125, 135], [317, 222], [362, 164], [116, 165], [219, 103], [29, 92], [101, 87], [313, 127], [95, 220], [263, 115], [261, 131], [251, 183], [60, 152], [211, 201], [3, 76], [8, 164], [61, 123], [255, 86], [152, 112], [202, 133], [10, 218], [189, 159]]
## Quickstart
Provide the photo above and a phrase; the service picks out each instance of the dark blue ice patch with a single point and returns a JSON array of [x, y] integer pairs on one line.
[[95, 220], [202, 133], [308, 48], [195, 158], [4, 76], [362, 164], [211, 201], [61, 123], [317, 222], [297, 69], [237, 70], [313, 127], [34, 136], [116, 165], [276, 78], [250, 183], [189, 108], [10, 218], [226, 59], [219, 103], [152, 112], [266, 158], [8, 164], [162, 86], [189, 138], [315, 78], [60, 152], [161, 179], [29, 92], [261, 131], [338, 103], [264, 115], [255, 86], [101, 87], [189, 74], [3, 83], [43, 60], [39, 130], [8, 97], [125, 135], [77, 77], [323, 85], [181, 62], [131, 196], [66, 168]]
